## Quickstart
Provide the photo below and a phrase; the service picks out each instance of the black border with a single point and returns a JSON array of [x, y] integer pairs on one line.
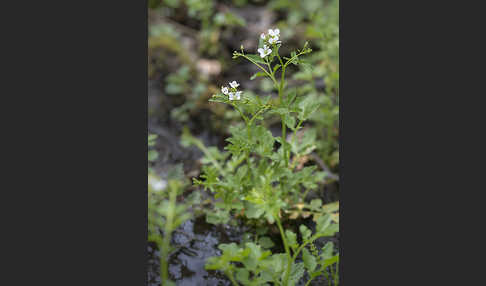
[[77, 168], [76, 174]]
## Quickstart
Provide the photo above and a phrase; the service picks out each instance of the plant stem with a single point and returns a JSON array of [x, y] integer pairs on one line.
[[284, 139], [336, 274], [241, 113], [257, 113], [262, 68], [308, 282], [247, 153], [284, 127], [297, 128], [167, 234], [206, 152], [304, 245], [287, 250], [230, 275]]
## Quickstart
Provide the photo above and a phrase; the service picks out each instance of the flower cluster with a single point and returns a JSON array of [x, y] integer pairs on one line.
[[232, 93], [272, 37]]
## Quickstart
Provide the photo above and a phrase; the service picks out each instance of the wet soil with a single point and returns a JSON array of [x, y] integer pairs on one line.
[[195, 241]]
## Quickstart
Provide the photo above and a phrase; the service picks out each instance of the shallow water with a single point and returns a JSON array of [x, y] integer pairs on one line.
[[196, 241]]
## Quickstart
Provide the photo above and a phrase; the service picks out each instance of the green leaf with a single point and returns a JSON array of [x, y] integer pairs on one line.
[[258, 74], [230, 249], [253, 211], [291, 97], [309, 260], [331, 261], [308, 106], [217, 217], [296, 273], [327, 250], [152, 137], [276, 67], [322, 223], [306, 233], [315, 204], [251, 261], [219, 98], [289, 121], [291, 239], [243, 275], [331, 207], [324, 226], [261, 230], [266, 242], [153, 155], [277, 262], [256, 58]]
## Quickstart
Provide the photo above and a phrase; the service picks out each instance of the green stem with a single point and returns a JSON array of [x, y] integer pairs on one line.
[[284, 127], [258, 112], [308, 282], [262, 68], [297, 128], [287, 250], [305, 194], [290, 60], [336, 274], [280, 59], [247, 153], [237, 163], [230, 275], [241, 113], [284, 139], [304, 245], [206, 152], [167, 234]]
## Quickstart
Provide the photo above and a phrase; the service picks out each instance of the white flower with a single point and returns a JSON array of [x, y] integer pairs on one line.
[[224, 90], [274, 33], [238, 95], [262, 36], [235, 95], [274, 40], [265, 51], [234, 84], [157, 184]]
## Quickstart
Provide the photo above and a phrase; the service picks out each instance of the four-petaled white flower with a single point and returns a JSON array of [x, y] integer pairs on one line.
[[238, 95], [274, 33], [233, 94], [224, 90], [265, 51], [234, 84], [274, 40]]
